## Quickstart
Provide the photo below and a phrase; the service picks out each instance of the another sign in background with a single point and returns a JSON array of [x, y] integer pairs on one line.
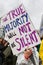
[[19, 30], [41, 28]]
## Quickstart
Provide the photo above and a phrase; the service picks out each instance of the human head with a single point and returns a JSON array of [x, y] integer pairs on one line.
[[41, 37], [27, 53]]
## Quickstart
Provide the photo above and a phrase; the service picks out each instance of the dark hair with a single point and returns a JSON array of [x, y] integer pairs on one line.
[[41, 38]]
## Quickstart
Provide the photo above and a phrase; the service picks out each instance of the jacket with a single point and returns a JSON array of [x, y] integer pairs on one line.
[[41, 51]]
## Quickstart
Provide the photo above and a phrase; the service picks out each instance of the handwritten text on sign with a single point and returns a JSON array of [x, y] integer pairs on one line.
[[19, 30]]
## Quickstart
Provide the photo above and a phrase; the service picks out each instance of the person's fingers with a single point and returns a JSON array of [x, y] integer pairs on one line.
[[4, 42]]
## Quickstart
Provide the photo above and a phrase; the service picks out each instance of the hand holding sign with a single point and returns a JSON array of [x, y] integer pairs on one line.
[[20, 23]]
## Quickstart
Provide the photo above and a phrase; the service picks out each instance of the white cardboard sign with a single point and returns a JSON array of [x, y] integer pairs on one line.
[[19, 30]]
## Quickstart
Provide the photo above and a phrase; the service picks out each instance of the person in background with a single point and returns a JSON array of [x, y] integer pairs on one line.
[[41, 50], [6, 58], [1, 45]]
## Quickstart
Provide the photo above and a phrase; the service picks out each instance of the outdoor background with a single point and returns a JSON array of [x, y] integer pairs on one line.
[[33, 7]]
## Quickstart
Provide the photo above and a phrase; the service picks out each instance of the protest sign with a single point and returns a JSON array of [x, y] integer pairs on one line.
[[19, 30]]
